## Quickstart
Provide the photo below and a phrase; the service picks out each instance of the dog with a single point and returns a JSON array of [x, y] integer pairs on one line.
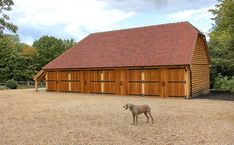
[[137, 110]]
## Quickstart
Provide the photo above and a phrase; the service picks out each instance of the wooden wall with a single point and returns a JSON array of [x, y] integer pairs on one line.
[[200, 67], [153, 81]]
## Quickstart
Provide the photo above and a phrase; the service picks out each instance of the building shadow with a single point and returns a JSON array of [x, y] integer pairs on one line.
[[226, 96]]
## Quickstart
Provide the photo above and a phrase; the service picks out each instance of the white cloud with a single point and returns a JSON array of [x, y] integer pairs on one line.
[[200, 18], [159, 5], [77, 18], [70, 18], [195, 14]]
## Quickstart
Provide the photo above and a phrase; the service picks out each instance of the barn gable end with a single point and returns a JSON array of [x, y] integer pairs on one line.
[[200, 67]]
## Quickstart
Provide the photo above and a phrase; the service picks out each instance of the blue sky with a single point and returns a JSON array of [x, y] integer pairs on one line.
[[77, 18]]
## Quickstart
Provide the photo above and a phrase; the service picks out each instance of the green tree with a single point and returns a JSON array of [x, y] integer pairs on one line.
[[9, 57], [221, 42], [5, 5], [27, 59], [17, 59], [49, 47]]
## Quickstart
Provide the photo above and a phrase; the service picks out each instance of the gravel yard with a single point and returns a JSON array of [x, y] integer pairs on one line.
[[29, 117]]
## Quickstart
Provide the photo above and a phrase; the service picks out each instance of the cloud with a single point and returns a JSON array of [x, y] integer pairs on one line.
[[70, 18], [77, 18], [195, 14], [158, 5]]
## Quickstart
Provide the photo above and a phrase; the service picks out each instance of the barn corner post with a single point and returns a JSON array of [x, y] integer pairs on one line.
[[36, 85], [188, 82], [38, 77]]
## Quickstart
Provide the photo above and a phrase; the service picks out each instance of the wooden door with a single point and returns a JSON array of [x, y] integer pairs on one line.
[[84, 81], [111, 82], [94, 81], [134, 82], [75, 81], [152, 82], [62, 81], [175, 82], [51, 80], [123, 83]]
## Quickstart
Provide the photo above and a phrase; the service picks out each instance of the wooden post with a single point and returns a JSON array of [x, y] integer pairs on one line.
[[142, 84], [69, 81], [187, 85], [102, 84], [46, 80]]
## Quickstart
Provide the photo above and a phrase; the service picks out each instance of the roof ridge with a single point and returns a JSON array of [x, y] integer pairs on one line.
[[195, 28], [140, 27]]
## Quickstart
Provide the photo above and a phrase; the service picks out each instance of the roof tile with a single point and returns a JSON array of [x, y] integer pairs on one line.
[[167, 44]]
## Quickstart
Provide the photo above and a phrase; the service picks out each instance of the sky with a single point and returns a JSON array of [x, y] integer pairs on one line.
[[78, 18]]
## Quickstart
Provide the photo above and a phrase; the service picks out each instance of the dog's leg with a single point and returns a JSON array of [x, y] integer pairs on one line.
[[146, 117], [151, 116], [136, 119], [133, 116]]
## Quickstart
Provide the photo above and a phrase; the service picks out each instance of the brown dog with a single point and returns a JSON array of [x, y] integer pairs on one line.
[[137, 110]]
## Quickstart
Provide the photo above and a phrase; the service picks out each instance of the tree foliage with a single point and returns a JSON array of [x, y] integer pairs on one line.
[[21, 62], [14, 63], [221, 42], [49, 47], [5, 5]]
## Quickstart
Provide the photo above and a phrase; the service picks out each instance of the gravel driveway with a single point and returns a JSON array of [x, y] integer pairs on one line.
[[28, 117]]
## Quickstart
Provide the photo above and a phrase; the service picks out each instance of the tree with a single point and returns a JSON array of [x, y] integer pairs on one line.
[[221, 42], [49, 47], [17, 59], [9, 58], [5, 5]]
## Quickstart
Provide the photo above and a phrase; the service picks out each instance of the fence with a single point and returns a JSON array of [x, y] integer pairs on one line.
[[26, 84]]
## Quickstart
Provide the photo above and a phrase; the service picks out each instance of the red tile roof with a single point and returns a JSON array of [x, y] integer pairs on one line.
[[166, 44]]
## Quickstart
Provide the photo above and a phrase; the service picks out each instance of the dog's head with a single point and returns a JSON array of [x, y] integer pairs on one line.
[[128, 106]]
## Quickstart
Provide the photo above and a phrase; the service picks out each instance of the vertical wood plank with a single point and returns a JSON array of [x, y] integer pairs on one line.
[[102, 84], [69, 83], [143, 84], [46, 78], [187, 85]]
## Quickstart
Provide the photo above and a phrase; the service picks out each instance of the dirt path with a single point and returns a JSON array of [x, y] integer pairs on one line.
[[28, 117]]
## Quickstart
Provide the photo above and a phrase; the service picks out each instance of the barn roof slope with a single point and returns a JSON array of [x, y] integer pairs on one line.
[[166, 44]]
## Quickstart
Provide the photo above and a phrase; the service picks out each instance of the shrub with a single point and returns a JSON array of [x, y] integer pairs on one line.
[[224, 83], [231, 83], [12, 84]]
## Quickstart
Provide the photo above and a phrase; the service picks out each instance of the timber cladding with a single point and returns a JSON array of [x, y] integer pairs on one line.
[[166, 60], [164, 82], [200, 67]]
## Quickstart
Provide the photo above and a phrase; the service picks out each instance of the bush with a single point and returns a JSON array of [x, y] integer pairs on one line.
[[224, 83], [12, 84], [231, 83]]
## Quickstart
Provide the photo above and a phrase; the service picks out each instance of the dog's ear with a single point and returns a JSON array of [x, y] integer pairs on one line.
[[130, 107], [125, 106]]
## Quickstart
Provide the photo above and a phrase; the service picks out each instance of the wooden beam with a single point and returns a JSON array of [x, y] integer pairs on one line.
[[46, 78], [69, 82], [142, 84], [187, 85], [102, 84]]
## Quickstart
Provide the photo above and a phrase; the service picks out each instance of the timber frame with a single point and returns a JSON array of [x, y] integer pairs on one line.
[[168, 60], [163, 81]]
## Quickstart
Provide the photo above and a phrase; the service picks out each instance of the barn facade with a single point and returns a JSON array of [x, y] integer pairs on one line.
[[169, 60]]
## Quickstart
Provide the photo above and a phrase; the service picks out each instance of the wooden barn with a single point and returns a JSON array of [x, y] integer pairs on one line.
[[167, 60]]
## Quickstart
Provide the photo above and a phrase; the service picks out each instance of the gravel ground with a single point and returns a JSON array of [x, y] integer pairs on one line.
[[28, 117]]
